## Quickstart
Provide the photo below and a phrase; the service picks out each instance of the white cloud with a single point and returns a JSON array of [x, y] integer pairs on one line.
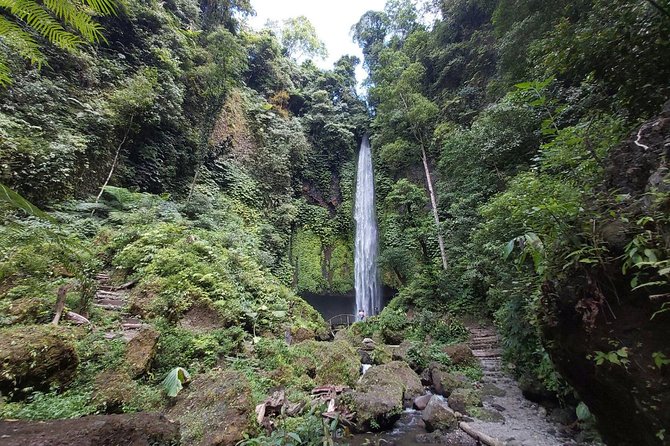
[[332, 19]]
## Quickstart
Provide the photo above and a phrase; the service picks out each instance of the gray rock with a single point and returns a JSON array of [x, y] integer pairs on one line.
[[421, 402], [368, 344], [438, 415], [462, 399]]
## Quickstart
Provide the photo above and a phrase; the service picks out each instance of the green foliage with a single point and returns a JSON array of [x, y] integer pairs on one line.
[[73, 403], [299, 38], [583, 412], [53, 21], [174, 381], [9, 196], [617, 357]]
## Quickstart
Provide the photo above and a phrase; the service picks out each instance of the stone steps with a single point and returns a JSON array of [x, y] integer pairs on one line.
[[113, 298], [485, 346]]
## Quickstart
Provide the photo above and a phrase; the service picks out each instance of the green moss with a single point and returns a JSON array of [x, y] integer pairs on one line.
[[322, 266]]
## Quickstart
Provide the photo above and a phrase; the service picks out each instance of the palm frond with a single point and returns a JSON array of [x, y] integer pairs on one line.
[[20, 41]]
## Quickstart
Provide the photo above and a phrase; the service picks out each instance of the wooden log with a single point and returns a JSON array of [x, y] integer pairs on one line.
[[60, 303], [480, 436], [77, 318]]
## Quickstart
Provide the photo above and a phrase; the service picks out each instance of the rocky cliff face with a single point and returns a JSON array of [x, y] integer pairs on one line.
[[606, 337]]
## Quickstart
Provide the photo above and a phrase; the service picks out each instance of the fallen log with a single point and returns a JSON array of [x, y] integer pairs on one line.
[[480, 436], [77, 318]]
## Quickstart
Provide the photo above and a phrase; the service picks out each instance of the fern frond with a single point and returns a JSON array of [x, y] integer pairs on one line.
[[35, 16], [5, 75], [104, 7], [77, 18], [20, 41]]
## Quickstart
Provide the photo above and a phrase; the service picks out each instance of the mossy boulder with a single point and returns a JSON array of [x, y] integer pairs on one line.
[[381, 394], [396, 374], [460, 354], [328, 362], [112, 389], [378, 407], [141, 351], [27, 310], [439, 416], [381, 354], [37, 357], [215, 409], [445, 382], [461, 400], [401, 352], [300, 334]]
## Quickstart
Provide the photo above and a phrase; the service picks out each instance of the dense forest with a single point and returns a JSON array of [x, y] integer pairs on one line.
[[172, 182]]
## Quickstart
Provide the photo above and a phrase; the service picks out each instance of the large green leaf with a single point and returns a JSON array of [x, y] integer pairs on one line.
[[9, 196], [174, 381]]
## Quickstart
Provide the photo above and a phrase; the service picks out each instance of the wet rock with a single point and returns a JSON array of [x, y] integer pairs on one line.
[[381, 394], [421, 402], [460, 354], [215, 409], [445, 382], [141, 351], [396, 373], [562, 415], [401, 352], [129, 429], [368, 344], [378, 407], [533, 390], [38, 357], [438, 415], [461, 400], [426, 377]]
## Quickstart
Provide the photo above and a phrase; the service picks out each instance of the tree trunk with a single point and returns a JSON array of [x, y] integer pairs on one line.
[[433, 203]]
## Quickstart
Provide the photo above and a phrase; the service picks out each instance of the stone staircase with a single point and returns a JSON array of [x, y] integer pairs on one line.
[[485, 345], [115, 299]]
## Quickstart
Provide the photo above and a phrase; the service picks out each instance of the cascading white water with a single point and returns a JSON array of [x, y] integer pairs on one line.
[[366, 276]]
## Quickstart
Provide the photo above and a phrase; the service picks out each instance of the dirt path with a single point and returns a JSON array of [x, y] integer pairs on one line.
[[525, 423]]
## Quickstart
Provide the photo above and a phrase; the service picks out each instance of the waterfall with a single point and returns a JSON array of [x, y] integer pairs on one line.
[[366, 277]]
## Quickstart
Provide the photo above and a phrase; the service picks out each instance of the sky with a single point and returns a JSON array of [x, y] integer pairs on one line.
[[332, 19]]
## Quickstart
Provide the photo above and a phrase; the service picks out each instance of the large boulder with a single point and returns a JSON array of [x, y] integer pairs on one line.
[[141, 351], [377, 408], [328, 362], [112, 389], [395, 373], [438, 415], [382, 393], [36, 357], [140, 429], [462, 400], [460, 354], [445, 382], [215, 410]]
